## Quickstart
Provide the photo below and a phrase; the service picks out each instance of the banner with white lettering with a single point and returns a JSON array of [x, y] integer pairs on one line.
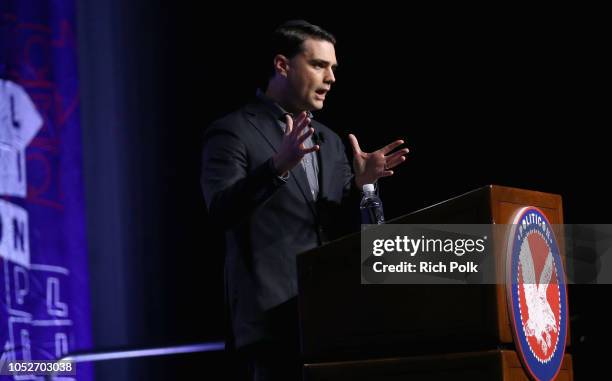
[[44, 291]]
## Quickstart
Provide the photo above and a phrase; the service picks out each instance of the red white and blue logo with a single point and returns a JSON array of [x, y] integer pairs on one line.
[[537, 294]]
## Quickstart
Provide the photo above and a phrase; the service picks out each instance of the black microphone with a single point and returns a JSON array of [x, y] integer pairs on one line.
[[318, 138]]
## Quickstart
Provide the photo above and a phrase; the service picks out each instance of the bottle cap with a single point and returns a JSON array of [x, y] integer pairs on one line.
[[368, 187]]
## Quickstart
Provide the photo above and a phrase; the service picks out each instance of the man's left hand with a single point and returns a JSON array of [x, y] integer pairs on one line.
[[369, 167]]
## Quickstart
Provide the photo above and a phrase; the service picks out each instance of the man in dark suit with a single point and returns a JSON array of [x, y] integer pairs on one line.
[[279, 183]]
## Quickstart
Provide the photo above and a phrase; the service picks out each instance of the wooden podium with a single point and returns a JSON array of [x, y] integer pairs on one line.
[[417, 332]]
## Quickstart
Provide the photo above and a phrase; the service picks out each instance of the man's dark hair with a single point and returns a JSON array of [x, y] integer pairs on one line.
[[289, 37]]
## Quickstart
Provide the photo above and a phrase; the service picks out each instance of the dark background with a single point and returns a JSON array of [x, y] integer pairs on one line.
[[514, 97]]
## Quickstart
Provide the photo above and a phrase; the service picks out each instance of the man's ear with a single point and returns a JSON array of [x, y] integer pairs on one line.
[[281, 65]]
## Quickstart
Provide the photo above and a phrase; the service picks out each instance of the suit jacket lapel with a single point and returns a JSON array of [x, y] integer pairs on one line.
[[268, 127], [326, 161], [265, 124]]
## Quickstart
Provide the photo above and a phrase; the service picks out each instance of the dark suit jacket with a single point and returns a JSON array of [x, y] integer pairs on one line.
[[267, 221]]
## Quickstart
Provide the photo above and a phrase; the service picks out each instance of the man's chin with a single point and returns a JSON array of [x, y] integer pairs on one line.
[[316, 105]]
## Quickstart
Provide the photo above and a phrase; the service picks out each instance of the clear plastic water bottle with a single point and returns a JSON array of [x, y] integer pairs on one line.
[[371, 207]]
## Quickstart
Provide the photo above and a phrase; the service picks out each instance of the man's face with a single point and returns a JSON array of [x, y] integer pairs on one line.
[[310, 74]]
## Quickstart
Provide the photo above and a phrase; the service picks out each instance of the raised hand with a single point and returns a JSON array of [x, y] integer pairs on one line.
[[369, 167], [292, 148]]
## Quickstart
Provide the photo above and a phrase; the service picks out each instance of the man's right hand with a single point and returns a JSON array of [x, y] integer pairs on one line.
[[292, 148]]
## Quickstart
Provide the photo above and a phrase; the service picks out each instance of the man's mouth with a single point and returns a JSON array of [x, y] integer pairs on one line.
[[321, 93]]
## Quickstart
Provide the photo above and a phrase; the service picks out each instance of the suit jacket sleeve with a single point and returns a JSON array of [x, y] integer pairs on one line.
[[348, 215], [231, 190]]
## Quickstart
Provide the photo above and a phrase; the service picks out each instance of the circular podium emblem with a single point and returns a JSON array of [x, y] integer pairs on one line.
[[536, 294]]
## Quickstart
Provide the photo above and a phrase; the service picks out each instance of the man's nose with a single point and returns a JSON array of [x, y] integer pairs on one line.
[[330, 77]]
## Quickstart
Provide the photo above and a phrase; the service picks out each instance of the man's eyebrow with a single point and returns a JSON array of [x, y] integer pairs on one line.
[[323, 62]]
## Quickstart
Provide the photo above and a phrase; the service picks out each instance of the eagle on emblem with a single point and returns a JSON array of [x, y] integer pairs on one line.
[[541, 319]]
